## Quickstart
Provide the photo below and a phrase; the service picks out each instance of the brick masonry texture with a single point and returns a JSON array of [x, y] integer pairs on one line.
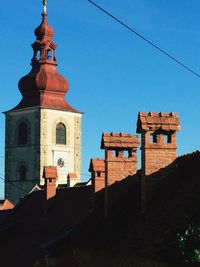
[[120, 159], [158, 121], [158, 150], [158, 144], [50, 175], [120, 156], [97, 169], [158, 139]]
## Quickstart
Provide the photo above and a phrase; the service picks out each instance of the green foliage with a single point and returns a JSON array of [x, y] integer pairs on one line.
[[189, 244]]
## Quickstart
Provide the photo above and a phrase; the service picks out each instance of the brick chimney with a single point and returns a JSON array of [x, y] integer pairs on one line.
[[158, 142], [120, 159], [97, 169], [120, 155], [50, 176]]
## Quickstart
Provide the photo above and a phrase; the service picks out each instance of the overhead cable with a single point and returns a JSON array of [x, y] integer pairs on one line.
[[146, 40]]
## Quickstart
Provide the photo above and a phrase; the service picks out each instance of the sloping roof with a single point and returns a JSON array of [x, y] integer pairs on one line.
[[6, 205], [36, 187], [174, 205], [35, 221], [158, 121], [87, 183], [119, 140], [5, 208], [72, 176], [4, 214], [97, 165]]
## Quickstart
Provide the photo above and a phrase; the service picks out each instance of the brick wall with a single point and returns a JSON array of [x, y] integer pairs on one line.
[[120, 159], [50, 175], [157, 153], [120, 155], [97, 169], [119, 165]]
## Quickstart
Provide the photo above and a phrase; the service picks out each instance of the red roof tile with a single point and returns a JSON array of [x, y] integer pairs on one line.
[[97, 165], [119, 140], [158, 121], [50, 172], [6, 205]]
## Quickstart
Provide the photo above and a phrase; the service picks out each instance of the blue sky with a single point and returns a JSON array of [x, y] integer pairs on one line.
[[112, 73]]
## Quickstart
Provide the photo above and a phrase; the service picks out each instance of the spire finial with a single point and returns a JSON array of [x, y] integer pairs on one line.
[[44, 6]]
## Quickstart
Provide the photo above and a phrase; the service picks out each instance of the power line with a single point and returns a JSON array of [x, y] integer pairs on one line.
[[145, 39], [20, 188], [35, 145], [18, 160], [11, 183]]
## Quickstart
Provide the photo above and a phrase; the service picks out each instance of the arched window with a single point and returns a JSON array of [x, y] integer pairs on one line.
[[22, 173], [49, 55], [60, 134], [37, 55], [22, 134]]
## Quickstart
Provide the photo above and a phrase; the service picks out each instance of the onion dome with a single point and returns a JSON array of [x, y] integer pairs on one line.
[[44, 29], [44, 86]]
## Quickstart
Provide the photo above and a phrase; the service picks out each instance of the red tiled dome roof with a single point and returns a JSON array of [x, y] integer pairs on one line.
[[44, 29], [43, 86]]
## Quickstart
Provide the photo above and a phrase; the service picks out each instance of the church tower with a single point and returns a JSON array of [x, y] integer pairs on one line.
[[43, 129]]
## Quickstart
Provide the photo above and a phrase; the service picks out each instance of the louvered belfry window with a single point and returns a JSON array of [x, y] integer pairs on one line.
[[22, 134], [60, 134], [22, 173]]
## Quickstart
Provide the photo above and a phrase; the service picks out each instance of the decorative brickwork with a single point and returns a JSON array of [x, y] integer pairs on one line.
[[158, 143], [120, 155], [120, 159], [97, 169]]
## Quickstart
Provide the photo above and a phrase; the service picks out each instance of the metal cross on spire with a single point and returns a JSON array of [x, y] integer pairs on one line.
[[45, 6]]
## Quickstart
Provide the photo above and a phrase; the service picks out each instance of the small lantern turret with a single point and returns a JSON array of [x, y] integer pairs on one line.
[[44, 47]]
